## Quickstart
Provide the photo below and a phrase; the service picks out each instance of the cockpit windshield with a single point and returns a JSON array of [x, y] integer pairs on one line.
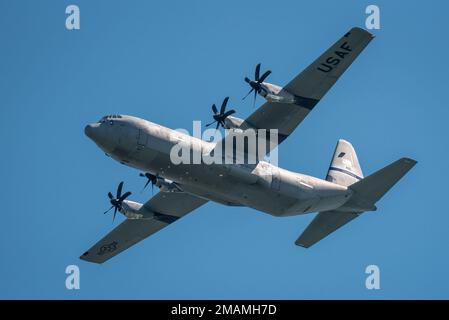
[[109, 117]]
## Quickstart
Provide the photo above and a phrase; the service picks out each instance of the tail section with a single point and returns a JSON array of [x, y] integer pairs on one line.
[[370, 189], [366, 192], [345, 168]]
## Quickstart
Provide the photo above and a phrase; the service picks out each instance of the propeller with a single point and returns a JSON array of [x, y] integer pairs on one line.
[[117, 201], [219, 117], [256, 83], [151, 178]]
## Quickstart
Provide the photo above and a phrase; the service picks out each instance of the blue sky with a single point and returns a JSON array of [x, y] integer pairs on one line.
[[168, 61]]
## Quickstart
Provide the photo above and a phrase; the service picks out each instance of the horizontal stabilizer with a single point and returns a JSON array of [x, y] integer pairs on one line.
[[370, 189], [322, 225]]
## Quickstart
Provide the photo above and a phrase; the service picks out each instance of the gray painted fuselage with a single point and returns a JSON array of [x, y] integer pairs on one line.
[[146, 146]]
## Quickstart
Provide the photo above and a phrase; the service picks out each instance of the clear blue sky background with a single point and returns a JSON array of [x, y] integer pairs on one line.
[[168, 62]]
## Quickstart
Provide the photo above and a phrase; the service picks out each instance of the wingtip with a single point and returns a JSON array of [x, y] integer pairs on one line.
[[88, 260], [85, 257], [299, 244], [409, 160], [359, 29]]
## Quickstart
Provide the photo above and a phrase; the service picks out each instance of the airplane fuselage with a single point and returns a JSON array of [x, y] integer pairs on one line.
[[146, 146]]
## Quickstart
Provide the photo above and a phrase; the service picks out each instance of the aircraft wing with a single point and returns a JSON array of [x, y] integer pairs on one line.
[[164, 208], [324, 224], [309, 86]]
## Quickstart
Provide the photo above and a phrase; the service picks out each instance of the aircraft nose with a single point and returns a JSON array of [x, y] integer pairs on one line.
[[88, 131], [98, 133], [93, 131]]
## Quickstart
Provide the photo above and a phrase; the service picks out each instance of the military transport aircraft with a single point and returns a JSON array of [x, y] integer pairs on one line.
[[340, 198]]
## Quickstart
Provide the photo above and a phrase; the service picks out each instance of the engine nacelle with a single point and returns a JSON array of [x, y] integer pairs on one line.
[[133, 210], [233, 122], [274, 93], [166, 185], [130, 209]]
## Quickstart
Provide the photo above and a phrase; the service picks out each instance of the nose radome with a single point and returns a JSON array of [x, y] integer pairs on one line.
[[88, 130], [98, 133], [93, 131]]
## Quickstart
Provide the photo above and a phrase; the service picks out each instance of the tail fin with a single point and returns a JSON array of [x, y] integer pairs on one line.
[[369, 190], [345, 168]]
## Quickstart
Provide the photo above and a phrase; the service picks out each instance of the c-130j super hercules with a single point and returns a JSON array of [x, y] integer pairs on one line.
[[342, 197]]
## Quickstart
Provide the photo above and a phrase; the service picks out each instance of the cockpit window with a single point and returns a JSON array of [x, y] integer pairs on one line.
[[109, 117], [102, 120]]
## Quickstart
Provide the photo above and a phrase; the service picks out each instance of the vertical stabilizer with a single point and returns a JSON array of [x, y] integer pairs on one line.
[[344, 168]]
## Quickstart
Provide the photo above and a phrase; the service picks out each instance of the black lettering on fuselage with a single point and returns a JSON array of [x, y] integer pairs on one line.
[[335, 59]]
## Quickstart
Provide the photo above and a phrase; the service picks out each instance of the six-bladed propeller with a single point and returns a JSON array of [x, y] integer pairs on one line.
[[151, 178], [256, 83], [219, 117], [118, 200]]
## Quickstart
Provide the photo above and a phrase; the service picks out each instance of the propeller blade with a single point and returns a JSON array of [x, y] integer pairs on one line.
[[115, 213], [252, 89], [255, 97], [247, 79], [148, 175], [264, 76], [110, 196], [108, 210], [150, 178], [119, 190], [124, 196], [209, 124], [146, 184], [214, 109], [223, 105], [218, 124], [228, 113], [256, 74]]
